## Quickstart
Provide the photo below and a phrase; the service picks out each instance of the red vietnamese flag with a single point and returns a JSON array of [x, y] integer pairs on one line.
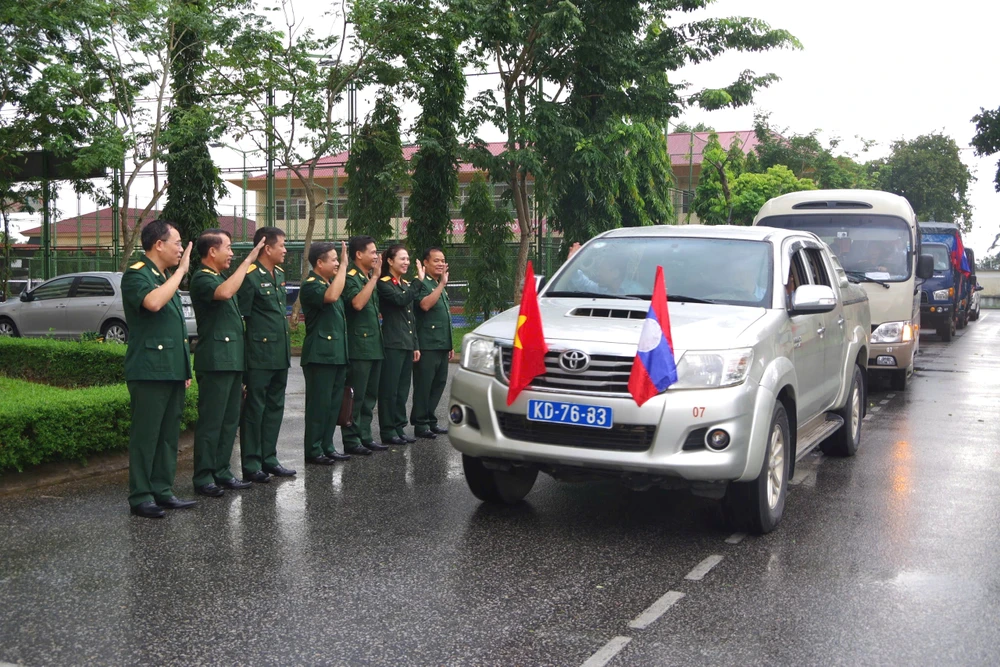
[[529, 341]]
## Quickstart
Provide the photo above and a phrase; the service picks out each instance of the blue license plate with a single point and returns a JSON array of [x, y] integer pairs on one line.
[[555, 412]]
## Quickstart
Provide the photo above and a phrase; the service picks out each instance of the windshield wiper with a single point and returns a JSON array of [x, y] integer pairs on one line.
[[861, 277], [594, 295], [672, 297]]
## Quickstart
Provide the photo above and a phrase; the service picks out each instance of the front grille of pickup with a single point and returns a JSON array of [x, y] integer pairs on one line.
[[620, 437], [607, 374]]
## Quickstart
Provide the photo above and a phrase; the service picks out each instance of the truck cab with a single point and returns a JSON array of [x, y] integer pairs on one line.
[[958, 278], [941, 294]]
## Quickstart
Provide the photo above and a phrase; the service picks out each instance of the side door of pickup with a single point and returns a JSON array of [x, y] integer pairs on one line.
[[832, 334], [807, 346]]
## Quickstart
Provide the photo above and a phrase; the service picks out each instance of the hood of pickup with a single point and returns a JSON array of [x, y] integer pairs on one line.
[[693, 326]]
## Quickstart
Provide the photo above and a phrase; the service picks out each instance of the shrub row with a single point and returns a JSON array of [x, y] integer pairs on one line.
[[62, 363], [39, 423]]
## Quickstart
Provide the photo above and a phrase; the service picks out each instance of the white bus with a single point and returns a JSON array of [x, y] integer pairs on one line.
[[874, 235]]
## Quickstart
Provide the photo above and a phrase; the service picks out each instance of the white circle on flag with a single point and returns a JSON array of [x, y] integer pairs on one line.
[[650, 336]]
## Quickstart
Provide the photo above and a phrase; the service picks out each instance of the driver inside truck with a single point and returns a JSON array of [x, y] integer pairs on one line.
[[603, 277]]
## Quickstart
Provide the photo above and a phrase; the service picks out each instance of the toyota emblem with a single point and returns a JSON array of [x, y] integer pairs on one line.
[[574, 361]]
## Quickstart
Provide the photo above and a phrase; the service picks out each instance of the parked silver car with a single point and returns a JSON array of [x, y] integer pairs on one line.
[[70, 305], [771, 343]]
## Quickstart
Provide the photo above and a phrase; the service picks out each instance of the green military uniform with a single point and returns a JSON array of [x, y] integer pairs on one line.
[[157, 364], [324, 364], [219, 364], [399, 340], [364, 348], [268, 357], [430, 374]]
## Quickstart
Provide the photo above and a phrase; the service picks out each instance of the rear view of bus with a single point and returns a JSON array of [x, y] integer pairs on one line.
[[874, 234]]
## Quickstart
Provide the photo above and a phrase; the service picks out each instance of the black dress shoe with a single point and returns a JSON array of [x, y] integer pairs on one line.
[[394, 440], [279, 471], [148, 510], [210, 490], [439, 429], [260, 477], [234, 484], [358, 450], [320, 460], [337, 456], [430, 435], [175, 503], [408, 439], [374, 446]]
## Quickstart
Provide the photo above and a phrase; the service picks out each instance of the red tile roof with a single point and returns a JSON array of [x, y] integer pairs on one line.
[[100, 221], [679, 144]]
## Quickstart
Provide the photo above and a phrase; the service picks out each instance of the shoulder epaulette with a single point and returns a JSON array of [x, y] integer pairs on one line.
[[251, 268], [278, 268], [209, 271], [405, 281], [386, 279], [352, 272], [310, 279], [138, 265]]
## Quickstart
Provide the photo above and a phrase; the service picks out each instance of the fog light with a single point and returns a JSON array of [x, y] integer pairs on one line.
[[456, 414], [885, 360], [717, 440], [933, 309]]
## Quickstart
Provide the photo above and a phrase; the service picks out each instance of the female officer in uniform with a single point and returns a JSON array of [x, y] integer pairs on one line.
[[399, 340]]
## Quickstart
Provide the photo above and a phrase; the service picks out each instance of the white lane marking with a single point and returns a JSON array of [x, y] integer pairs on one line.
[[604, 654], [801, 474], [875, 409], [703, 568], [884, 401], [983, 316], [867, 418], [655, 610], [890, 396], [735, 538]]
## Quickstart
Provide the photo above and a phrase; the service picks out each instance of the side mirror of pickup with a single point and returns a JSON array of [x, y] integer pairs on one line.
[[25, 296], [979, 288], [813, 299], [925, 267]]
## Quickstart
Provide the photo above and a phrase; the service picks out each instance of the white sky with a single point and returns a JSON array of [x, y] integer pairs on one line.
[[878, 69]]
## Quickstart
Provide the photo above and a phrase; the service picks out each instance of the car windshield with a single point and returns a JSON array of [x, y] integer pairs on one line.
[[725, 271], [942, 260], [877, 246]]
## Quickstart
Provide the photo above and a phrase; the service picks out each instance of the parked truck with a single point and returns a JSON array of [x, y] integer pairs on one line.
[[946, 296]]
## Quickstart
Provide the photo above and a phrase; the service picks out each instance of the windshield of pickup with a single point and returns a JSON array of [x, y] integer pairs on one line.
[[725, 271], [877, 246], [942, 259]]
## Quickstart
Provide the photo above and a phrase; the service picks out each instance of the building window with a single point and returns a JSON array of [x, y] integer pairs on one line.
[[297, 212]]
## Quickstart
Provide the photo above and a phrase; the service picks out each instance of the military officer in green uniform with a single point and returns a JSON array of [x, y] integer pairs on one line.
[[268, 357], [218, 361], [430, 374], [396, 296], [157, 368], [324, 351], [364, 342]]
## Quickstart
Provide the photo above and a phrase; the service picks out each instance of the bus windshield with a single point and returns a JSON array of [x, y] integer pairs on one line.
[[877, 246]]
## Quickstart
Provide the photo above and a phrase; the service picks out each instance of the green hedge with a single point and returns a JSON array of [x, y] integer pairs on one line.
[[39, 423], [62, 363]]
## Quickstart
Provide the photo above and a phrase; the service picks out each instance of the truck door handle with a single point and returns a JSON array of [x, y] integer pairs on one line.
[[821, 331], [841, 321], [798, 341]]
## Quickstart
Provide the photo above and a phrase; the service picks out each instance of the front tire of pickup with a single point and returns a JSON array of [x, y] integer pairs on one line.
[[505, 487], [846, 441], [756, 507]]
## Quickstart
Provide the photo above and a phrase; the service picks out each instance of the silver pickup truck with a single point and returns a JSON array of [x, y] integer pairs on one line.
[[770, 341]]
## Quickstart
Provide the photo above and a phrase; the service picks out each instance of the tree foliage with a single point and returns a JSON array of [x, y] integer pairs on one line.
[[929, 173], [987, 139], [487, 231], [435, 164], [376, 170]]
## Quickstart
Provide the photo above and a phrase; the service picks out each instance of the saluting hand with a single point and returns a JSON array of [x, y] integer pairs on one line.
[[421, 273], [444, 275], [377, 267], [343, 254], [256, 251], [572, 250], [185, 262]]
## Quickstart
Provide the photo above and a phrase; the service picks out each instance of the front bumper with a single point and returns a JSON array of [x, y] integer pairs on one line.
[[743, 411], [933, 315], [900, 354]]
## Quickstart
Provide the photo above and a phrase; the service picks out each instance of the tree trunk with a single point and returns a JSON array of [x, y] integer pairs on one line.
[[307, 242], [524, 227]]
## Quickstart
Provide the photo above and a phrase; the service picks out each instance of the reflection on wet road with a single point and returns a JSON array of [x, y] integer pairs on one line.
[[887, 558]]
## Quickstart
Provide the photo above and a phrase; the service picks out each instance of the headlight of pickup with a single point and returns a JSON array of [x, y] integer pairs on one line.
[[942, 294], [893, 332], [478, 354], [708, 370]]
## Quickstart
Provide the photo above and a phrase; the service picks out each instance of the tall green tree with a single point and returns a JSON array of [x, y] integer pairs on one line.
[[544, 51], [487, 231], [987, 139], [750, 191], [376, 172], [929, 172], [435, 164], [713, 198], [193, 181]]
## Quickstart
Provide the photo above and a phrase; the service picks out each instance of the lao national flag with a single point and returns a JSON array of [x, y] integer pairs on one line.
[[654, 368], [528, 360], [959, 258]]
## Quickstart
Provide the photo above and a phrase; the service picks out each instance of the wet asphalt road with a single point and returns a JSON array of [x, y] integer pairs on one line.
[[889, 558]]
